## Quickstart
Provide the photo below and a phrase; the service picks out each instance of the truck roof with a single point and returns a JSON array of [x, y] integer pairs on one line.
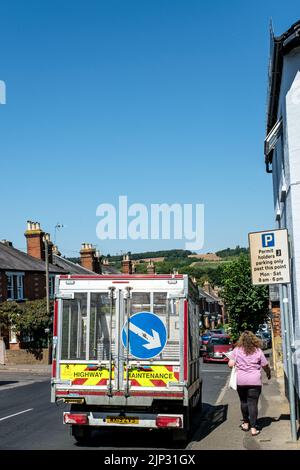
[[124, 276]]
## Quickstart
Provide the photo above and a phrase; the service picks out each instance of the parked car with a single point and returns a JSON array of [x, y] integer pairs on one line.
[[266, 337], [216, 347], [204, 340], [217, 331], [264, 341], [263, 327]]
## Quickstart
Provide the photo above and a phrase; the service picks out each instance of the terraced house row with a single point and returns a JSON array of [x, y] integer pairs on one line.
[[23, 275]]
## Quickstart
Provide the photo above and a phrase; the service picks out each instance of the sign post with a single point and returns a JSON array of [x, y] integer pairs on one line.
[[270, 264], [269, 253]]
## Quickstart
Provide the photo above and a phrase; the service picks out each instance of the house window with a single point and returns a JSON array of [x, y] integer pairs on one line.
[[15, 286], [51, 285]]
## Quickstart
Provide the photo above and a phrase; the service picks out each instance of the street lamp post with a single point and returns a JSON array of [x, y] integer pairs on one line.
[[46, 240], [46, 245]]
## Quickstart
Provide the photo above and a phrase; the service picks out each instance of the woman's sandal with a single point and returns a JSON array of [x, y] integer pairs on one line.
[[257, 431], [245, 429]]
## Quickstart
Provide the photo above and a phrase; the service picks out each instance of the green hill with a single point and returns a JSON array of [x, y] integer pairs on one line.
[[179, 260]]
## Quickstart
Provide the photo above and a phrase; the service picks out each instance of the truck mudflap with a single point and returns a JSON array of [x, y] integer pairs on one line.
[[131, 420]]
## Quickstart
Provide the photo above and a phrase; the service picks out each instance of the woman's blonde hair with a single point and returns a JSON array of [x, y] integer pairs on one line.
[[249, 342]]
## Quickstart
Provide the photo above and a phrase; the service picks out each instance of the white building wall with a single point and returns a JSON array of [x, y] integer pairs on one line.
[[286, 170]]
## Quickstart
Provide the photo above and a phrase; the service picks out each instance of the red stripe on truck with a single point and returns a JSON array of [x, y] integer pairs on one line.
[[135, 383], [78, 381], [185, 341], [55, 318], [122, 276], [53, 368], [158, 383], [102, 382], [120, 394]]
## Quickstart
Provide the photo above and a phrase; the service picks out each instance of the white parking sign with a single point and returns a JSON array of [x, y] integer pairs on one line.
[[269, 253]]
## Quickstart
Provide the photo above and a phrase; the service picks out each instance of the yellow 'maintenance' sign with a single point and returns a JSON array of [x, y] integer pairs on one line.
[[148, 376]]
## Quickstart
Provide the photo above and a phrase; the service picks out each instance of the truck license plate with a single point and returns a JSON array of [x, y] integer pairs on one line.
[[122, 420]]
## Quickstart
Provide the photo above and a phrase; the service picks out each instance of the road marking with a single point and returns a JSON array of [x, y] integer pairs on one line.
[[223, 391], [21, 383], [16, 414]]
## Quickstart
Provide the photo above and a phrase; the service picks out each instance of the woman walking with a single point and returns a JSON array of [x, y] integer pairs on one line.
[[249, 359]]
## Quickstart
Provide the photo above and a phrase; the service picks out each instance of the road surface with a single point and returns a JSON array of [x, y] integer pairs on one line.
[[28, 421]]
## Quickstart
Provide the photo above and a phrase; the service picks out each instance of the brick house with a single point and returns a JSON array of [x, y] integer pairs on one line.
[[211, 307], [22, 275]]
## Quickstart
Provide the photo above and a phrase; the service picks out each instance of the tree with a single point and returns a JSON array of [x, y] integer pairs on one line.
[[230, 252], [28, 319], [247, 305]]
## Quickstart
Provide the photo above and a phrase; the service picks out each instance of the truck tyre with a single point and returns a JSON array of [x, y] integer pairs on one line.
[[81, 434], [180, 435]]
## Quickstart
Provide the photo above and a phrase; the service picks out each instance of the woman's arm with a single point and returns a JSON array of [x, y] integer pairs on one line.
[[267, 371], [232, 357], [265, 365]]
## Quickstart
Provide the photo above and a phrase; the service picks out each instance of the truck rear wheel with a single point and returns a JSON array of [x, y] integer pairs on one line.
[[180, 435], [81, 434]]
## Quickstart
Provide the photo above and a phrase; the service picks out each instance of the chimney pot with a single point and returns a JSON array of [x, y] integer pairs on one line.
[[55, 250], [151, 267], [126, 264], [6, 242], [35, 242], [89, 259]]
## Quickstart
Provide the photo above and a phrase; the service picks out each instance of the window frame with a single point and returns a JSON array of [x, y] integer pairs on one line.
[[51, 286], [15, 284]]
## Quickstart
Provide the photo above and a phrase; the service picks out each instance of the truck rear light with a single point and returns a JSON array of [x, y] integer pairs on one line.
[[76, 418], [168, 422]]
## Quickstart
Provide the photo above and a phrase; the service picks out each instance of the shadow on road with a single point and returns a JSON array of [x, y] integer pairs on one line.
[[204, 422], [8, 382], [267, 420], [131, 439], [212, 417]]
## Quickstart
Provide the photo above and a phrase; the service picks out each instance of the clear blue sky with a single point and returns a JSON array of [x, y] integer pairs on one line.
[[163, 101]]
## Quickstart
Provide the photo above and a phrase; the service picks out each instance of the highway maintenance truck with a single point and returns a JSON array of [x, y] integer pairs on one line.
[[126, 352]]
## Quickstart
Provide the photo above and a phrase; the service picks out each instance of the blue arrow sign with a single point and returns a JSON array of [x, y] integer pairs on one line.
[[147, 335]]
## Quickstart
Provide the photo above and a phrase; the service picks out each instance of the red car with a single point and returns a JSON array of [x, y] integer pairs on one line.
[[216, 347]]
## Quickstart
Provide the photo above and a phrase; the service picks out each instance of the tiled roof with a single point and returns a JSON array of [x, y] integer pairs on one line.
[[16, 260], [109, 269], [74, 268], [209, 297], [69, 266]]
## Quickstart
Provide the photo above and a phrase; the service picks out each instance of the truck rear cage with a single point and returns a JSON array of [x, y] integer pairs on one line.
[[126, 344]]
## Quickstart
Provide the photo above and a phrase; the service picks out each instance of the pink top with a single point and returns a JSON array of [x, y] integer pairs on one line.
[[248, 367]]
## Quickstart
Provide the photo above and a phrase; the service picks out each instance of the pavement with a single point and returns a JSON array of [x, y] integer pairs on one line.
[[221, 430], [43, 369]]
